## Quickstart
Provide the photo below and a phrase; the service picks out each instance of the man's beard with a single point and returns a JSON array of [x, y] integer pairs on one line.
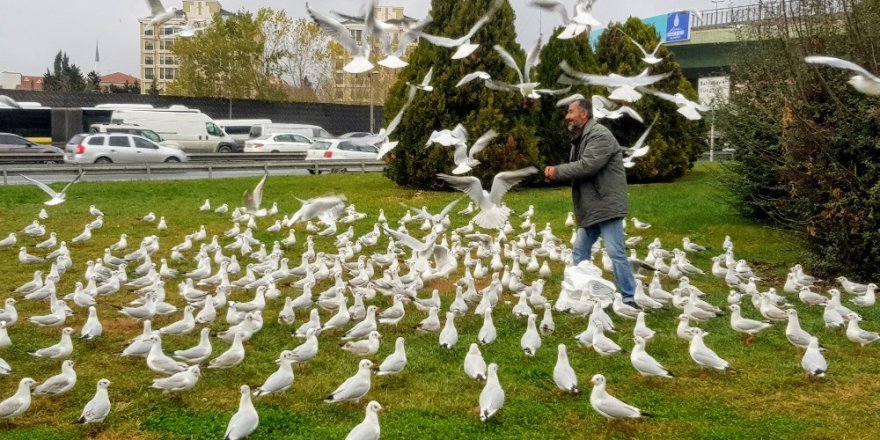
[[573, 126]]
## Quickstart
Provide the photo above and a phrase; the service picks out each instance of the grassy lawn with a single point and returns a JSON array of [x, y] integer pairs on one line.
[[769, 399]]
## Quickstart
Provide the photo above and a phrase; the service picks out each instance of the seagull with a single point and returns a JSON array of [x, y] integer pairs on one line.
[[563, 375], [650, 58], [364, 347], [603, 107], [609, 406], [383, 137], [464, 158], [245, 420], [355, 387], [463, 45], [855, 334], [639, 149], [360, 51], [57, 198], [96, 410], [581, 21], [474, 365], [492, 213], [644, 363], [814, 362], [624, 87], [60, 383], [63, 349], [158, 361], [703, 355], [181, 381], [530, 341], [200, 352], [686, 107], [864, 81], [425, 85], [369, 428], [408, 34], [750, 327], [231, 357], [158, 13], [492, 396], [395, 362], [253, 199], [449, 334], [316, 206], [282, 379], [19, 402], [92, 328]]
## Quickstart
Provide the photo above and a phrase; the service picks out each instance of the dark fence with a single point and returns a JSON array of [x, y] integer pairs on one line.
[[335, 118]]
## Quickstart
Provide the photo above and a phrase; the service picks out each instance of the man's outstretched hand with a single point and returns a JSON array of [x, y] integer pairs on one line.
[[550, 172]]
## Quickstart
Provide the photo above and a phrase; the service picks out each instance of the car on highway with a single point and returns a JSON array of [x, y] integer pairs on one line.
[[120, 148], [279, 143], [132, 129], [355, 134], [15, 144], [341, 149]]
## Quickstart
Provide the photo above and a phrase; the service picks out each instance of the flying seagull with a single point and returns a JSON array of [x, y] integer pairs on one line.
[[864, 81], [159, 14], [581, 21], [492, 213], [360, 52], [463, 45], [464, 159], [686, 107], [253, 199], [650, 58], [623, 87], [57, 197], [638, 149]]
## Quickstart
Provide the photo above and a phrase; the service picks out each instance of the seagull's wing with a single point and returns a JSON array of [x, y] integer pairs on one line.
[[256, 197], [42, 186], [553, 91], [659, 94], [644, 135], [335, 30], [569, 99], [505, 180], [532, 60], [156, 7], [509, 62], [443, 41], [399, 116], [632, 113], [600, 101], [609, 80], [484, 19], [470, 185], [472, 76], [448, 208], [427, 79], [553, 6], [492, 84], [840, 64], [406, 239], [642, 49], [79, 176], [482, 142], [656, 48], [460, 155]]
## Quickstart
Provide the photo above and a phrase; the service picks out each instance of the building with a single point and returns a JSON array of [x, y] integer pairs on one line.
[[117, 79], [158, 65], [363, 88], [17, 81]]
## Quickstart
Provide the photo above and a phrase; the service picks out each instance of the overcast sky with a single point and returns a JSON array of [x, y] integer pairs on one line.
[[32, 32]]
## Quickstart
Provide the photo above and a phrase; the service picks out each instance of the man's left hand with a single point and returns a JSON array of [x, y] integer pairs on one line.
[[550, 172]]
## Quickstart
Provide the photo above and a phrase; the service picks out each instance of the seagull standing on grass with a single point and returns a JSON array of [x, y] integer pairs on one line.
[[609, 406], [563, 375], [492, 396], [369, 428], [245, 420], [97, 409]]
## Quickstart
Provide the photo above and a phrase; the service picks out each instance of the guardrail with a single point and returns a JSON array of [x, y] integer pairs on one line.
[[31, 158], [210, 168], [194, 157]]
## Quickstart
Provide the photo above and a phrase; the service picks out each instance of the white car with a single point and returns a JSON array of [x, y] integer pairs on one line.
[[341, 149], [279, 143], [119, 148]]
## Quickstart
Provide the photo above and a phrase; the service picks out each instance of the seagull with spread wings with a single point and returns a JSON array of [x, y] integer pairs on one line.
[[57, 197], [639, 149], [492, 213], [360, 52], [622, 87], [464, 158], [463, 45], [581, 21], [158, 13], [253, 199], [686, 107], [650, 58], [864, 81]]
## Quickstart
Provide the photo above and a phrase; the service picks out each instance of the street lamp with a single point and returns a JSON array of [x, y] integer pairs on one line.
[[372, 119], [717, 20]]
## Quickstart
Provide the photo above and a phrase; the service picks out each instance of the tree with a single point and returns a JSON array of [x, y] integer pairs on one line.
[[676, 142], [479, 109], [93, 82], [306, 60], [133, 89], [807, 144], [64, 77], [230, 59]]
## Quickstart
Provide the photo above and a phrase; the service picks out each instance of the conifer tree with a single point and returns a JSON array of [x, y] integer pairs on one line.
[[477, 108]]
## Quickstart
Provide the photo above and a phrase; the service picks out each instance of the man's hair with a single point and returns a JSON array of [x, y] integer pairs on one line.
[[583, 104]]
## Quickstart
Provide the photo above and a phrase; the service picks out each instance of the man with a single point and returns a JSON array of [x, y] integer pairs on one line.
[[598, 190]]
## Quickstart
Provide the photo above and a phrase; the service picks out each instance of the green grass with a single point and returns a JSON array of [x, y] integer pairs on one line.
[[769, 399]]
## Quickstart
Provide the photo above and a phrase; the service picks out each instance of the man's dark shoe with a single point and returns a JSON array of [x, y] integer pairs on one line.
[[632, 304]]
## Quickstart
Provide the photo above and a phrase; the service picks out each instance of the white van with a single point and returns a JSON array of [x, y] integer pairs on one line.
[[193, 130], [240, 129], [311, 131]]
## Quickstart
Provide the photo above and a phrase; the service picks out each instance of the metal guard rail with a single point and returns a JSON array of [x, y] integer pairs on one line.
[[316, 166]]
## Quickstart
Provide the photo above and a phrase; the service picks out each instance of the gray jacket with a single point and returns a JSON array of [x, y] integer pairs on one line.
[[598, 178]]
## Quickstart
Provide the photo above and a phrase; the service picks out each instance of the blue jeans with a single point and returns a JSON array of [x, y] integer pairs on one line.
[[612, 235]]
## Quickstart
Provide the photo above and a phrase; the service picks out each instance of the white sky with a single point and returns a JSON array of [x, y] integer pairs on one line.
[[32, 32]]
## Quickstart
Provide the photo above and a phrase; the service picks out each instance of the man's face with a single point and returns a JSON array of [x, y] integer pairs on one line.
[[576, 116]]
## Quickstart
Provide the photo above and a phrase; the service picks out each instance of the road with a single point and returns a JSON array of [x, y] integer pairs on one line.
[[14, 179]]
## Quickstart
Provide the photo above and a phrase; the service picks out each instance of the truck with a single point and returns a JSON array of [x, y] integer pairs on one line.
[[193, 130]]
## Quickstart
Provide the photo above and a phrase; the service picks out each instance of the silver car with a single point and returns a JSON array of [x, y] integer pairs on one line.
[[120, 148]]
